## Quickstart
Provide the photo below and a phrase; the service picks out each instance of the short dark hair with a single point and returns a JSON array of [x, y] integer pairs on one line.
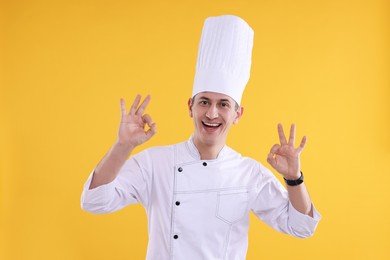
[[236, 106]]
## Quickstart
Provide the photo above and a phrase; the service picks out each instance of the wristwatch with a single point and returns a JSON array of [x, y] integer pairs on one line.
[[294, 182]]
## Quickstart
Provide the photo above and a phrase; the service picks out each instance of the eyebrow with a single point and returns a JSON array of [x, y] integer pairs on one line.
[[220, 100]]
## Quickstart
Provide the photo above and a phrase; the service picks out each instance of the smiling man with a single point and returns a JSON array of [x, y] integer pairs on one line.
[[213, 115], [198, 194]]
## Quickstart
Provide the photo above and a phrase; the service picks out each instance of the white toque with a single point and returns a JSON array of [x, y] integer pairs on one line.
[[224, 56]]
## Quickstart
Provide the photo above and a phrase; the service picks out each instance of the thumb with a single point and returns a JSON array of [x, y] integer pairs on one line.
[[152, 131], [271, 160]]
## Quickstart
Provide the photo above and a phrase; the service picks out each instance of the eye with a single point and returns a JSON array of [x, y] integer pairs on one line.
[[203, 102], [225, 104]]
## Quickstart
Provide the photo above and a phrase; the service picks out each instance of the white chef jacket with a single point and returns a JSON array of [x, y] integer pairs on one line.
[[199, 209]]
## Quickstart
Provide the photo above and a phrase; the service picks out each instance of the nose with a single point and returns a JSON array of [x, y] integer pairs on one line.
[[212, 112]]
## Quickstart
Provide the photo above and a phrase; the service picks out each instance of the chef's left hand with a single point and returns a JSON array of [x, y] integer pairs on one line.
[[284, 157]]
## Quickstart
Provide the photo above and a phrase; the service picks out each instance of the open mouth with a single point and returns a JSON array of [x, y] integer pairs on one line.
[[211, 125]]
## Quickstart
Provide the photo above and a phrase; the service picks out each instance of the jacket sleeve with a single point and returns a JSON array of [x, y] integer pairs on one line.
[[274, 208], [131, 186]]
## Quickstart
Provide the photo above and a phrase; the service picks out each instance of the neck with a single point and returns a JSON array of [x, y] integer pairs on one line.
[[206, 151]]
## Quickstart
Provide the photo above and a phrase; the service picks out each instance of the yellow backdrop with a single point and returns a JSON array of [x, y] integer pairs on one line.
[[65, 64]]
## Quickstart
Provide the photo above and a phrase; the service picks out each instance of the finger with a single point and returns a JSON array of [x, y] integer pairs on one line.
[[143, 106], [123, 107], [302, 145], [282, 137], [271, 160], [152, 130], [291, 140], [135, 105], [274, 149], [147, 119]]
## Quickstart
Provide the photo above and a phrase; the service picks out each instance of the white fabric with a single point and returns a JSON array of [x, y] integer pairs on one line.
[[224, 56], [212, 219]]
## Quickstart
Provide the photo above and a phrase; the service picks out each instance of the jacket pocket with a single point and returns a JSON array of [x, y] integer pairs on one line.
[[232, 205]]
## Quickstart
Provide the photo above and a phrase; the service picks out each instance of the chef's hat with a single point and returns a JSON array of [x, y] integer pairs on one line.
[[224, 56]]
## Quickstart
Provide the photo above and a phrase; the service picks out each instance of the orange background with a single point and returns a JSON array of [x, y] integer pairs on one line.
[[64, 65]]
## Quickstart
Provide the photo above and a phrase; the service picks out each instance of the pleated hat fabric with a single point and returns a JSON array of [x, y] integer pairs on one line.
[[224, 56]]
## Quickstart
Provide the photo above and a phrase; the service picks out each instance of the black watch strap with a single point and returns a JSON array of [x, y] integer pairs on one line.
[[294, 182]]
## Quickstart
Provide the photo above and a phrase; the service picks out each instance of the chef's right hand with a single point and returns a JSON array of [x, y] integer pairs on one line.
[[132, 130]]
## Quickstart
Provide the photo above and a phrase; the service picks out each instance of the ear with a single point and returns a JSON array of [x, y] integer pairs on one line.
[[190, 106], [239, 113]]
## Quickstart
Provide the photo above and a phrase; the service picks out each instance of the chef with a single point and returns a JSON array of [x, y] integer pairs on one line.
[[198, 194]]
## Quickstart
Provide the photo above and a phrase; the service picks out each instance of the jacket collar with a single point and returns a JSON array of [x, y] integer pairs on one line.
[[195, 153]]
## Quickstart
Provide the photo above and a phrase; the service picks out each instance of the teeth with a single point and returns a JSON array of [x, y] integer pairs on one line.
[[211, 124]]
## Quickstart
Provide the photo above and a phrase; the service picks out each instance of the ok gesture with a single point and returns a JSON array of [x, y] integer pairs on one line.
[[284, 157], [132, 130]]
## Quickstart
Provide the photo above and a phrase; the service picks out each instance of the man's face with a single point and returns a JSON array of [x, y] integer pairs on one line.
[[213, 115]]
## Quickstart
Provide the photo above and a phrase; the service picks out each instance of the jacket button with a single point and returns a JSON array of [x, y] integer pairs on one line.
[[180, 169], [204, 163], [177, 203], [175, 236]]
